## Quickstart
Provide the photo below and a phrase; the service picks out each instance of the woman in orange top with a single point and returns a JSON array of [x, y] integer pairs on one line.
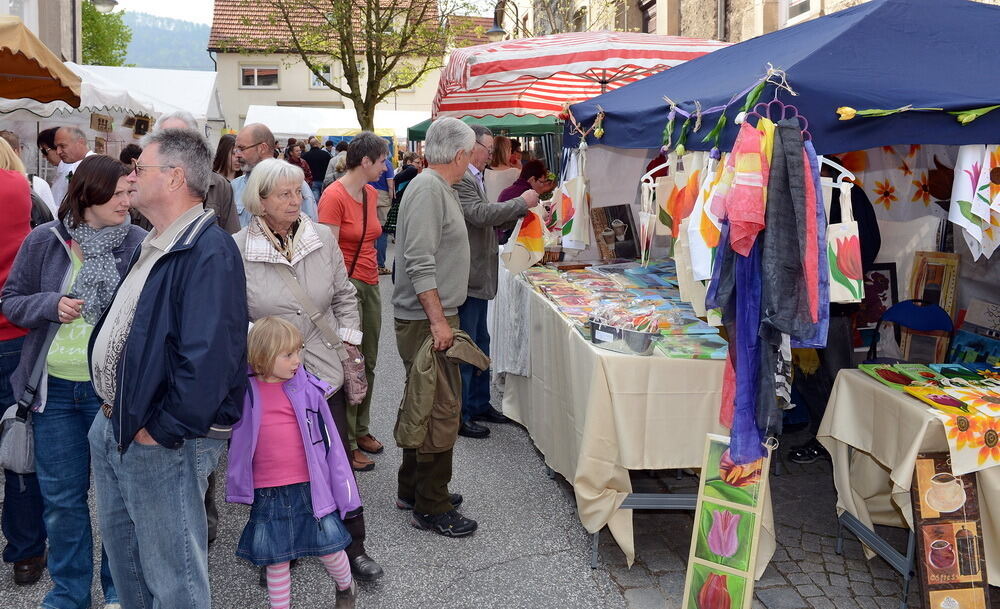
[[348, 207]]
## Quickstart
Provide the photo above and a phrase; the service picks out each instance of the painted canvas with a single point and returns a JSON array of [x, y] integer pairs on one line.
[[714, 589], [725, 536], [881, 292], [955, 371], [887, 375], [727, 481], [919, 372], [950, 557], [940, 399], [727, 529]]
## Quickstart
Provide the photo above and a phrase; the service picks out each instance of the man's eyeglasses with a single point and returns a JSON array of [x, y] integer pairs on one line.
[[138, 167], [248, 147], [490, 150]]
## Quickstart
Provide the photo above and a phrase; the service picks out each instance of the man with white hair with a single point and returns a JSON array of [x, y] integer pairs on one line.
[[432, 279], [254, 143], [168, 360], [71, 146], [220, 192]]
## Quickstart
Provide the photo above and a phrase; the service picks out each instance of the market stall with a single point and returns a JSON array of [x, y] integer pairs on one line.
[[292, 121], [30, 70], [917, 144]]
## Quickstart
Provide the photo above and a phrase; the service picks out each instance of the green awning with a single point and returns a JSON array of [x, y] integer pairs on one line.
[[509, 125]]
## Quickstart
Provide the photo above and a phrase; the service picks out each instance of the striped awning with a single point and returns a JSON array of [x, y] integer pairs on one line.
[[538, 75]]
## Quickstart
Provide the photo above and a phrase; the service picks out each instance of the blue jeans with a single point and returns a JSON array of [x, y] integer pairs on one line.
[[475, 382], [62, 457], [151, 508], [380, 244], [21, 520], [317, 188]]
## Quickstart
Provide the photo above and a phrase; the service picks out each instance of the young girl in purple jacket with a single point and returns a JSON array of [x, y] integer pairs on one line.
[[286, 459]]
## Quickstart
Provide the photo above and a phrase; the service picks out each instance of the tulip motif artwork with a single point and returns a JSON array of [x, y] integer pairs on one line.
[[731, 499]]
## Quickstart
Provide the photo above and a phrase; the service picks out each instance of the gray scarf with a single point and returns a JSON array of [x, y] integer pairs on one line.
[[99, 277]]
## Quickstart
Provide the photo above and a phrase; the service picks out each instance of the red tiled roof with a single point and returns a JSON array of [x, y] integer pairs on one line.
[[469, 31], [248, 25]]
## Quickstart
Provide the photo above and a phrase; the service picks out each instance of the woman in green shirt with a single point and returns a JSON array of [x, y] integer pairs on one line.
[[63, 278]]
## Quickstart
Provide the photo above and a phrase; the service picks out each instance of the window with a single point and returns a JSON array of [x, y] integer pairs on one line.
[[647, 19], [316, 83], [259, 77], [796, 11]]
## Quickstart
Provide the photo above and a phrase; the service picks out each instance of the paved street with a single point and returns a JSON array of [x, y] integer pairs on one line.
[[531, 551]]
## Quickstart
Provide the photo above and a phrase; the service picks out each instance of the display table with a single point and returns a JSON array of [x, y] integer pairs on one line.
[[886, 429], [595, 414]]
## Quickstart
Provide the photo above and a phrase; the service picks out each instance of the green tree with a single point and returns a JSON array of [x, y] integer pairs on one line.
[[382, 46], [105, 37]]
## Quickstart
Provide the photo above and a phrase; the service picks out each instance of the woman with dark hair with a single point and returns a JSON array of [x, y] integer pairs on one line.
[[349, 208], [225, 163], [65, 275], [129, 154], [409, 170], [294, 156]]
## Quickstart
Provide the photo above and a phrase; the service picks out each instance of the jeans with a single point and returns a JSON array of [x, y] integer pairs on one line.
[[151, 508], [62, 457], [21, 521], [475, 382], [317, 188], [380, 245]]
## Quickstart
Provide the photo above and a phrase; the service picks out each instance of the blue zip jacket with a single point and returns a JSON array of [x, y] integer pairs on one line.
[[182, 372]]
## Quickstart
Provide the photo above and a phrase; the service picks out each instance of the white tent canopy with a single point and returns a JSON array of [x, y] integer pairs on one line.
[[97, 94], [168, 90], [292, 121]]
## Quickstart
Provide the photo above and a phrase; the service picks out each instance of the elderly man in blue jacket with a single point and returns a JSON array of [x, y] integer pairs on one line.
[[168, 358]]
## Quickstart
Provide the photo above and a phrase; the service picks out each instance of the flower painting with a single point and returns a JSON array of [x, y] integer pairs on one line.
[[730, 482], [712, 589], [725, 536], [844, 253]]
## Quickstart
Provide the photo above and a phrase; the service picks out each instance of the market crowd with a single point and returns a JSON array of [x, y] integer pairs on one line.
[[129, 285]]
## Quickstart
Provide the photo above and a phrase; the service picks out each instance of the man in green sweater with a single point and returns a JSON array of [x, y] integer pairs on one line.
[[432, 280]]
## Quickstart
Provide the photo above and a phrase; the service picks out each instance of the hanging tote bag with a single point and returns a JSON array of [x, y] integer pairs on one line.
[[844, 252]]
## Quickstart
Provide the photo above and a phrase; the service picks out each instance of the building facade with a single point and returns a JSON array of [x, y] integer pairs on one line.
[[742, 19], [57, 23], [247, 76]]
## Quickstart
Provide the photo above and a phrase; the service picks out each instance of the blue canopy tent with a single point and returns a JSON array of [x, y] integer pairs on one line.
[[883, 54]]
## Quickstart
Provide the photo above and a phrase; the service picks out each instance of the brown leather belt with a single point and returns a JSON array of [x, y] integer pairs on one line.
[[106, 409]]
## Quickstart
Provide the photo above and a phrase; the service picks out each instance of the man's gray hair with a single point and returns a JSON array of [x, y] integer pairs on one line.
[[181, 115], [75, 132], [187, 149], [445, 137], [480, 131], [265, 178]]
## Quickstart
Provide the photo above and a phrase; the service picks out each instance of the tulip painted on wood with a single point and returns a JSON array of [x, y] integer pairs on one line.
[[714, 594], [723, 539]]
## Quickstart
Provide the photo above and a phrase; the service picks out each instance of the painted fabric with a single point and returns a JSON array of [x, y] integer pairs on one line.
[[704, 229], [904, 182], [574, 203], [683, 193], [527, 243], [975, 199], [813, 189], [744, 203]]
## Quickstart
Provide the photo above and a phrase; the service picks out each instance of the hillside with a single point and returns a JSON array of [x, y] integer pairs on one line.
[[159, 42]]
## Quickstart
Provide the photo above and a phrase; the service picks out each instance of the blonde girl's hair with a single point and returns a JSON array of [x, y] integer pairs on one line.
[[501, 151], [9, 159], [269, 338]]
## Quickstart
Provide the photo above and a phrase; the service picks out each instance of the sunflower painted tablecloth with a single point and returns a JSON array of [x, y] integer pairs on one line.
[[874, 433]]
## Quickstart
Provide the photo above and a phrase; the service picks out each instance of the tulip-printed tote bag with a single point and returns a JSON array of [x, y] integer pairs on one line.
[[844, 252]]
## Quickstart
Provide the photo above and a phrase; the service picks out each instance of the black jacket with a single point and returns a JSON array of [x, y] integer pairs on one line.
[[182, 372]]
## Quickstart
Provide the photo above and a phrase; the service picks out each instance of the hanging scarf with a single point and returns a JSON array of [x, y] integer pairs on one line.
[[98, 278]]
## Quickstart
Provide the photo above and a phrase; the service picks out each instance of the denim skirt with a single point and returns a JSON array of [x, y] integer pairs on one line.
[[282, 527]]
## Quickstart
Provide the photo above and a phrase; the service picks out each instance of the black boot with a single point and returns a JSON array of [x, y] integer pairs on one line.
[[362, 566]]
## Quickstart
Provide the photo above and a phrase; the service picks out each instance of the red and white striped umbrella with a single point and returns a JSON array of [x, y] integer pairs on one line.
[[538, 75]]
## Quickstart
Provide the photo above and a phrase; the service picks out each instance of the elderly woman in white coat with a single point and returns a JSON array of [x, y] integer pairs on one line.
[[280, 235]]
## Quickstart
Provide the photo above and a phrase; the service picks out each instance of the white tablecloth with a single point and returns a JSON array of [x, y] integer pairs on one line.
[[887, 428], [595, 415]]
